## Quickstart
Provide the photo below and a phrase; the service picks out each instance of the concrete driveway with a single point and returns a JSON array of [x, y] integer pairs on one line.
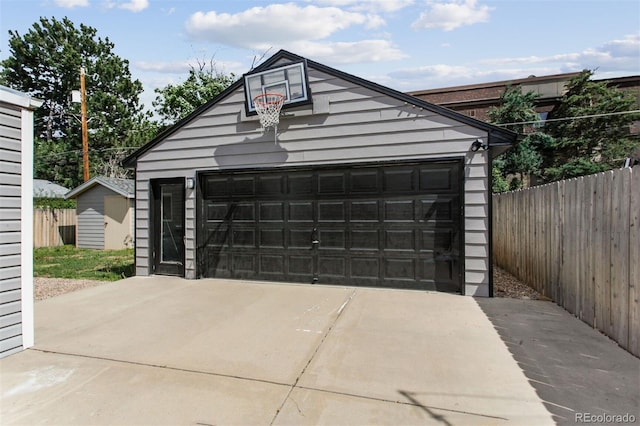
[[160, 350]]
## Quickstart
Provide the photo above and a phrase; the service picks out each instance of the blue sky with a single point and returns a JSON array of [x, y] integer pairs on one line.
[[403, 44]]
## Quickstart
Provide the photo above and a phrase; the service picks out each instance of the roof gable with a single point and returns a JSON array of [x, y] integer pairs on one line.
[[124, 187], [46, 189], [497, 136]]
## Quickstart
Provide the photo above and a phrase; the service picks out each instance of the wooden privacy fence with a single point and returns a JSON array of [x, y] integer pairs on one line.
[[578, 242], [54, 227]]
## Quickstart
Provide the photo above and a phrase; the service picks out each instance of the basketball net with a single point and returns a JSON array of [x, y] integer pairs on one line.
[[268, 108]]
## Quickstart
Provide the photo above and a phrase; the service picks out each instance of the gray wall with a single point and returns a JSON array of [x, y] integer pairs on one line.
[[90, 210], [10, 230], [361, 126]]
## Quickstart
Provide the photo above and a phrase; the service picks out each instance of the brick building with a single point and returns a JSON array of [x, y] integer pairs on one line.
[[475, 100]]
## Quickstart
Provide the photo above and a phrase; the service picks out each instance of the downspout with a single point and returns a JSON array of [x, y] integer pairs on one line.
[[490, 189]]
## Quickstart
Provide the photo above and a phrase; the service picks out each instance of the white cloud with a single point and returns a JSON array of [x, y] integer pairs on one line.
[[612, 59], [369, 5], [451, 15], [135, 5], [70, 4], [621, 55], [163, 67], [273, 25], [181, 68], [364, 51], [628, 47]]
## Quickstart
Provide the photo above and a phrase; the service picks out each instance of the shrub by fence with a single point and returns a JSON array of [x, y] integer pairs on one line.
[[54, 227], [578, 242]]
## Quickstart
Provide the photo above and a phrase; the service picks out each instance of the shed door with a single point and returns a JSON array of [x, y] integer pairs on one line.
[[396, 225], [117, 222], [168, 226]]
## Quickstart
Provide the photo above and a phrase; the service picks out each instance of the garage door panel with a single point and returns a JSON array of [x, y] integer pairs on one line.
[[244, 262], [243, 212], [301, 211], [300, 184], [216, 264], [332, 266], [244, 237], [216, 187], [435, 269], [331, 183], [374, 225], [218, 211], [332, 211], [272, 238], [365, 239], [332, 239], [398, 181], [399, 268], [365, 267], [364, 182], [367, 211], [272, 264], [217, 235], [300, 265], [299, 238], [272, 212], [399, 211], [243, 186], [437, 239], [270, 186], [436, 180], [399, 240], [439, 209]]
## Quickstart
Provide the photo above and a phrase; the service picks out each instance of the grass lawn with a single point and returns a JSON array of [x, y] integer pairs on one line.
[[70, 262]]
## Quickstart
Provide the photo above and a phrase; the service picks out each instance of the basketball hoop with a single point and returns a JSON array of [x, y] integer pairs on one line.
[[268, 108]]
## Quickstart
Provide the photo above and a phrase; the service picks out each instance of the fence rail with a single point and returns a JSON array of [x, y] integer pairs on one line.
[[54, 227], [578, 242]]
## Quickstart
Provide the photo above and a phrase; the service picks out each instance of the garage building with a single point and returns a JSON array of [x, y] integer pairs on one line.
[[358, 184]]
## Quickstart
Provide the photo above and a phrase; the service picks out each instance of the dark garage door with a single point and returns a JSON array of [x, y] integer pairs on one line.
[[397, 225]]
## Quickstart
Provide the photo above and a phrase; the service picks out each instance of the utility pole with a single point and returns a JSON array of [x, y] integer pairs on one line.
[[85, 134]]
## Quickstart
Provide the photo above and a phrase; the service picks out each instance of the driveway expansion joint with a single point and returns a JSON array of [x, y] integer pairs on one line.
[[164, 367]]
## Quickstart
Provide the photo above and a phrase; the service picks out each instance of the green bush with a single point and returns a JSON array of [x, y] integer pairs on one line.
[[53, 203]]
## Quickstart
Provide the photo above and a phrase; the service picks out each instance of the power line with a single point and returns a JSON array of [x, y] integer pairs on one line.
[[570, 118]]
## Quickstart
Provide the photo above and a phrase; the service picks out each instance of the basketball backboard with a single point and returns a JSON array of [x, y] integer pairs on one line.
[[288, 80]]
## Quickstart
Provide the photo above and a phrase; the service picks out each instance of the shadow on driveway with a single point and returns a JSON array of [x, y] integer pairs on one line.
[[574, 368]]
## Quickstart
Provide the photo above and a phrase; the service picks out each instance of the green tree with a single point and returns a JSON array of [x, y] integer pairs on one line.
[[45, 62], [516, 112], [590, 129], [175, 101]]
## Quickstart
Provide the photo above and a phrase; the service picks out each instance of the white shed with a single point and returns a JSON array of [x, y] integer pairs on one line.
[[105, 213]]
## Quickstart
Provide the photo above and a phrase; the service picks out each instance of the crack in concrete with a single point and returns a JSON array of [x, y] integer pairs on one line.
[[313, 355]]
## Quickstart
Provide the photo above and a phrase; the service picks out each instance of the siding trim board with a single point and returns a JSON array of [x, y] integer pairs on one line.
[[365, 123]]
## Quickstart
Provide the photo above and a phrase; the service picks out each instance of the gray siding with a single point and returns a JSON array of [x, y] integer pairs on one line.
[[90, 210], [362, 126], [10, 227]]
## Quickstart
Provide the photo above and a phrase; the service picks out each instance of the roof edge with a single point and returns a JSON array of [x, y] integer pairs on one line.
[[130, 161], [18, 98], [97, 180]]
